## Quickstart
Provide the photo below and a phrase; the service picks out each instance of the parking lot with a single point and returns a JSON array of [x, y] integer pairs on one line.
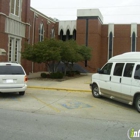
[[68, 103]]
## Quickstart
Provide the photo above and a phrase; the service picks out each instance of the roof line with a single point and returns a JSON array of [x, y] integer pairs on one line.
[[41, 14]]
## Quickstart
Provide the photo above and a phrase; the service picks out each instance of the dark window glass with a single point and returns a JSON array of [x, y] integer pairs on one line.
[[74, 35], [118, 69], [11, 70], [137, 72], [133, 42], [110, 44], [128, 70], [107, 69]]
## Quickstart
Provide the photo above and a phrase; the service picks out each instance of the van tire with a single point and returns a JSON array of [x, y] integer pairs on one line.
[[137, 103], [22, 93], [95, 91]]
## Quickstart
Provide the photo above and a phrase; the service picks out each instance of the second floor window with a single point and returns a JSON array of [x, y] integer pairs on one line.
[[15, 7]]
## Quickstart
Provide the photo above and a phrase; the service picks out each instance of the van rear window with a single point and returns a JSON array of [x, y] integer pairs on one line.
[[11, 70], [137, 72]]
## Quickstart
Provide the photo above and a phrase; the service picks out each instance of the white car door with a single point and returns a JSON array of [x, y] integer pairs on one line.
[[104, 78]]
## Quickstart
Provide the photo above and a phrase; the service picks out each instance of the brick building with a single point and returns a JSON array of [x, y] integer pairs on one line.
[[20, 24]]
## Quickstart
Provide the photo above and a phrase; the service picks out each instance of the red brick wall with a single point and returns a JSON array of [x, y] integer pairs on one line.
[[4, 6], [94, 40], [34, 38], [122, 39], [104, 45], [81, 31], [3, 44]]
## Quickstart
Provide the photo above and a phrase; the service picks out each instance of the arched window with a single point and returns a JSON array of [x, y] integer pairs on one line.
[[41, 32], [110, 45], [68, 35], [52, 33], [61, 34], [133, 42], [74, 34]]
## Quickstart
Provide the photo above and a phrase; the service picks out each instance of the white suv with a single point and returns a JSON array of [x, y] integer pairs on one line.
[[13, 78]]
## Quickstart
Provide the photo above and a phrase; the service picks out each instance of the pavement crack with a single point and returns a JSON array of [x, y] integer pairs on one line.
[[38, 109]]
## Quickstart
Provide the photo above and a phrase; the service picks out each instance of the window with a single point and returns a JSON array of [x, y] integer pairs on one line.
[[14, 70], [128, 70], [133, 42], [10, 48], [110, 45], [41, 33], [137, 72], [118, 69], [74, 34], [106, 69], [15, 7], [52, 33], [14, 48]]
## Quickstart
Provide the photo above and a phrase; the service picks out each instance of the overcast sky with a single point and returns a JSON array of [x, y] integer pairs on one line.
[[113, 11]]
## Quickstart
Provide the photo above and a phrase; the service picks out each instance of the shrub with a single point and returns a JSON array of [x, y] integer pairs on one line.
[[56, 75], [72, 73], [77, 72], [43, 75]]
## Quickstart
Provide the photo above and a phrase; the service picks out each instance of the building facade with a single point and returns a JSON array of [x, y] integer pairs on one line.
[[105, 40], [20, 24]]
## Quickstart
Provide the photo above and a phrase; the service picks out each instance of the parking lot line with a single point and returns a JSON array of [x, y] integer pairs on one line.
[[48, 105]]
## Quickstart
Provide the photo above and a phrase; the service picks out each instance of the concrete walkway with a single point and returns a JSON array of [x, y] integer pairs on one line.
[[78, 83]]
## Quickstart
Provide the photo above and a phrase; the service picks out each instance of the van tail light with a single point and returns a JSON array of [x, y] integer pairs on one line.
[[25, 79]]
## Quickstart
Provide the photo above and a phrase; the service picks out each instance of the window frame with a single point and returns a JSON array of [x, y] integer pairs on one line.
[[110, 48], [14, 8], [115, 71], [14, 49], [133, 39], [135, 72], [41, 32], [104, 71], [126, 70]]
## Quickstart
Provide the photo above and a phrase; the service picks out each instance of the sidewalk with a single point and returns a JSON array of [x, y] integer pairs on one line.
[[77, 83]]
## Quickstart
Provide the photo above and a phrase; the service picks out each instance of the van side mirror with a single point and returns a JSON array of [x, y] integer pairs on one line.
[[99, 71]]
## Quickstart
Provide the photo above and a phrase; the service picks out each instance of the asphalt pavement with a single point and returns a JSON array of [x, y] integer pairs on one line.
[[78, 83]]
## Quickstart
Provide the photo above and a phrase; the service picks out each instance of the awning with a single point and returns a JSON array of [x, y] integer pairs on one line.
[[2, 52]]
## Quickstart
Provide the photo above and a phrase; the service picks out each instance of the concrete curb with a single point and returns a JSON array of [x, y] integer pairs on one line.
[[63, 89]]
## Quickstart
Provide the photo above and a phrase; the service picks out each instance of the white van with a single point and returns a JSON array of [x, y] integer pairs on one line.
[[119, 79]]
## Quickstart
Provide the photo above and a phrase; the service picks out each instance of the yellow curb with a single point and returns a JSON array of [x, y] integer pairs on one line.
[[63, 89]]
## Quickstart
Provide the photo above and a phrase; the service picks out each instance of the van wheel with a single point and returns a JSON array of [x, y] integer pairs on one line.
[[137, 103], [95, 91], [22, 93]]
